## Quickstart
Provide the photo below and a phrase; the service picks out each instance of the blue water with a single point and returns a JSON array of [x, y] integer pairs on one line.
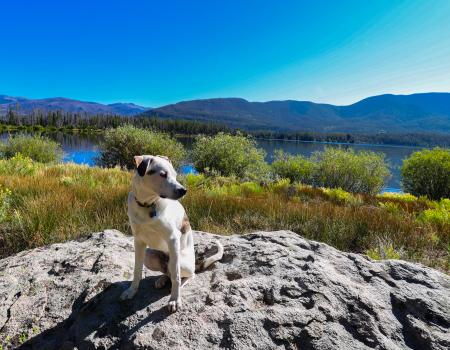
[[83, 149], [188, 169], [80, 156]]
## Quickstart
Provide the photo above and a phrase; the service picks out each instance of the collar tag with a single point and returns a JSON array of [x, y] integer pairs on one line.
[[152, 207]]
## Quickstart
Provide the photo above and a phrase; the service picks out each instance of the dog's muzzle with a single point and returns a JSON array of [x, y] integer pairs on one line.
[[180, 192]]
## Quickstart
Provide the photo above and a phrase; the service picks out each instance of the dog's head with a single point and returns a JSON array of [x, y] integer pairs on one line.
[[157, 175]]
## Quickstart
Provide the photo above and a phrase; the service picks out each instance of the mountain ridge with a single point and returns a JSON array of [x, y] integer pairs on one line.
[[421, 112], [67, 105]]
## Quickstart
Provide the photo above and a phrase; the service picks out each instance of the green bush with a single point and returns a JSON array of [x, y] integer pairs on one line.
[[295, 168], [122, 144], [338, 195], [362, 172], [400, 197], [427, 172], [38, 148], [439, 215], [229, 155], [19, 165]]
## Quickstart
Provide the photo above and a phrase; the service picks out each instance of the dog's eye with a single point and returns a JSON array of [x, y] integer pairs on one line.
[[163, 174]]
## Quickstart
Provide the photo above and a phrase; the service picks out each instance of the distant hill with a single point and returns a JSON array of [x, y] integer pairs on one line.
[[425, 112], [68, 105]]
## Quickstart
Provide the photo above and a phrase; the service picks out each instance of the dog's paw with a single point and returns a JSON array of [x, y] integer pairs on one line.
[[128, 294], [174, 305], [161, 281]]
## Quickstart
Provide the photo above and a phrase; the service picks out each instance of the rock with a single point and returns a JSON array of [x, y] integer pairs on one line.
[[272, 290]]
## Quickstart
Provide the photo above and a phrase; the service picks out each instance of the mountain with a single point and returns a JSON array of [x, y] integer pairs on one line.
[[424, 112], [68, 105]]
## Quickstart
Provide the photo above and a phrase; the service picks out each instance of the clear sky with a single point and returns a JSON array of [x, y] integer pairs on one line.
[[158, 52]]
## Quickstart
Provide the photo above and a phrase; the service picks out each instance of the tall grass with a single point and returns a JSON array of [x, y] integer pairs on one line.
[[61, 202], [356, 223], [54, 203]]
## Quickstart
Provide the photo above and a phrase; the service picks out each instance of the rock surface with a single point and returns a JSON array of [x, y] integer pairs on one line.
[[272, 290]]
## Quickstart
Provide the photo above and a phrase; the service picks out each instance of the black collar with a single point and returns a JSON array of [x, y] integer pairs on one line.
[[152, 207]]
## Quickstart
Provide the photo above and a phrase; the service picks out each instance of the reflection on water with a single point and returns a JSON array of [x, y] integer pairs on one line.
[[83, 149]]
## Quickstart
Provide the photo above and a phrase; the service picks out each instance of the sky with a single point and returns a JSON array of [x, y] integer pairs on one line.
[[159, 52]]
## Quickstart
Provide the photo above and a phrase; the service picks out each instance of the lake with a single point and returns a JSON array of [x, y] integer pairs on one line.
[[83, 148]]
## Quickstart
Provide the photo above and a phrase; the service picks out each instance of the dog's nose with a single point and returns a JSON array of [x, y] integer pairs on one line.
[[181, 191]]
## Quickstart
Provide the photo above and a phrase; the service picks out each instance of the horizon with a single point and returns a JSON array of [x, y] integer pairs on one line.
[[229, 97], [158, 54]]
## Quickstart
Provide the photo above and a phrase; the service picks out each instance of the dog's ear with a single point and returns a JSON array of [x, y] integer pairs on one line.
[[138, 160], [165, 157], [142, 164]]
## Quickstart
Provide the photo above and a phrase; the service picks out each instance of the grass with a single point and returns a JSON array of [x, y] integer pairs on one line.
[[60, 202], [53, 203]]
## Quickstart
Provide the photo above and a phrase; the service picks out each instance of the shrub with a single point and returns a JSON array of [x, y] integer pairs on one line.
[[295, 168], [38, 148], [427, 172], [19, 165], [439, 215], [363, 172], [383, 252], [122, 144], [391, 207], [229, 155], [338, 195], [194, 180], [400, 197]]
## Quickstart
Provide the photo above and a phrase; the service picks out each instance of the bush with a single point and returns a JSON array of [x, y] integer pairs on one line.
[[229, 155], [122, 144], [295, 168], [19, 165], [383, 252], [38, 148], [338, 195], [400, 197], [363, 172], [427, 173], [439, 215]]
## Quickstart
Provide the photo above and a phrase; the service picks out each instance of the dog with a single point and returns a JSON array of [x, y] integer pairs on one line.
[[158, 221]]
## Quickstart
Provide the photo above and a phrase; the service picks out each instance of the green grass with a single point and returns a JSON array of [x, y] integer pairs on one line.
[[43, 204]]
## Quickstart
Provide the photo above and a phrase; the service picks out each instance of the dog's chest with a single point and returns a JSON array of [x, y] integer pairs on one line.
[[153, 235]]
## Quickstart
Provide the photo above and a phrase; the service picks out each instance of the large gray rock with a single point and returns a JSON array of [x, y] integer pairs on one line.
[[272, 290]]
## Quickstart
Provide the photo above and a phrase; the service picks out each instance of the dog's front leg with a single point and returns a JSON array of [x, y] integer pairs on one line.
[[139, 252], [175, 275]]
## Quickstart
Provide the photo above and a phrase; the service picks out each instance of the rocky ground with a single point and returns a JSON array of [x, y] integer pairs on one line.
[[272, 290]]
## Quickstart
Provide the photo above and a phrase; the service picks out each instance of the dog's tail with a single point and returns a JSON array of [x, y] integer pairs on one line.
[[204, 264]]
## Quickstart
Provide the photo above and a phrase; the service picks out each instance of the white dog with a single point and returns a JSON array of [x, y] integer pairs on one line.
[[159, 222]]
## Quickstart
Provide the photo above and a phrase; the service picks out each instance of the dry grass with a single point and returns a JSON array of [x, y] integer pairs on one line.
[[61, 202]]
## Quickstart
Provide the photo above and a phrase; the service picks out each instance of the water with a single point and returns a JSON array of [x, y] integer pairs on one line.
[[83, 149]]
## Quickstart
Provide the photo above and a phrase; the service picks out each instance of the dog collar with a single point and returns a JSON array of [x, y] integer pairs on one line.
[[152, 207]]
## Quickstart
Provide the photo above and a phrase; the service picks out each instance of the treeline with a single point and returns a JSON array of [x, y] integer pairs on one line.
[[66, 120], [305, 136], [404, 139], [82, 121]]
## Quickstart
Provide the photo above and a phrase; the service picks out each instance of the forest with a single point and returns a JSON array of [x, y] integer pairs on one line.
[[61, 120]]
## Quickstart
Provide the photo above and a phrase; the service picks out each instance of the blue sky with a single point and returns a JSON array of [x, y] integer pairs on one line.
[[158, 52]]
